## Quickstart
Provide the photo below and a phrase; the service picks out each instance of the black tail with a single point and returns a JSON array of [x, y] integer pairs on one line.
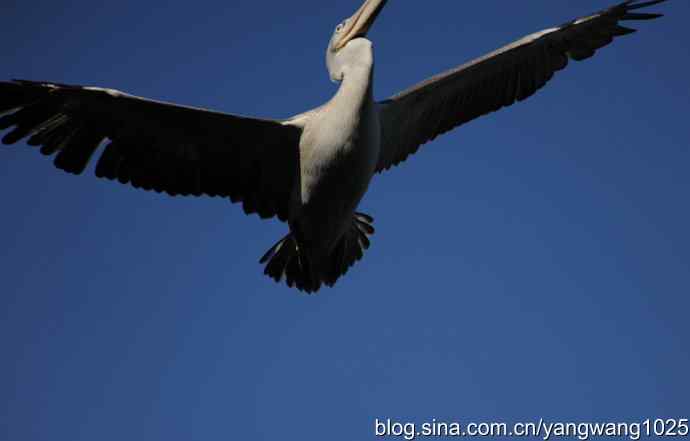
[[286, 261]]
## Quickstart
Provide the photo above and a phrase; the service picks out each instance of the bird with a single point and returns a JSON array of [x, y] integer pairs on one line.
[[311, 170]]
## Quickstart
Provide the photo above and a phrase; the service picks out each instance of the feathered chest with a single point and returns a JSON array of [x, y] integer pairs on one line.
[[339, 150]]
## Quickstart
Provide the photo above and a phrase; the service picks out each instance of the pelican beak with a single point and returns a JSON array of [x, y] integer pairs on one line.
[[358, 25]]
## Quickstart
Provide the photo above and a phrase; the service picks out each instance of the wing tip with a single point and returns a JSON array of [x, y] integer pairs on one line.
[[633, 6]]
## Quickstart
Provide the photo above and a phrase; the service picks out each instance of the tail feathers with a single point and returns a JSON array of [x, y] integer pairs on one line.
[[350, 249], [285, 261]]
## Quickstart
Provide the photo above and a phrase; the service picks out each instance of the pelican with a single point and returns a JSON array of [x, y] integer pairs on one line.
[[310, 171]]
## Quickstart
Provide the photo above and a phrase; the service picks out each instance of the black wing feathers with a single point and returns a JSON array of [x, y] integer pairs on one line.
[[499, 79], [156, 146]]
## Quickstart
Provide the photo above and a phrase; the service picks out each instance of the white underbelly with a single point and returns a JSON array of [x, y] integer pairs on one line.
[[335, 177]]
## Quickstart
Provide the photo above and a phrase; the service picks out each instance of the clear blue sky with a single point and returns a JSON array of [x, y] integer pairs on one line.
[[534, 263]]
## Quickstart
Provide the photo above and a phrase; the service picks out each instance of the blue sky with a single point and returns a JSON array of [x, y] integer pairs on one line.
[[534, 263]]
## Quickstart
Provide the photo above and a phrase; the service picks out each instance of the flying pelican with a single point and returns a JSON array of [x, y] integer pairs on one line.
[[311, 170]]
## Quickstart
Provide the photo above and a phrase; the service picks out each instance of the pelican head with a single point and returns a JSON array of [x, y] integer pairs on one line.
[[348, 47]]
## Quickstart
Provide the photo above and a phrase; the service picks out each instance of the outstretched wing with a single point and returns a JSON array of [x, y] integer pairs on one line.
[[157, 146], [499, 79]]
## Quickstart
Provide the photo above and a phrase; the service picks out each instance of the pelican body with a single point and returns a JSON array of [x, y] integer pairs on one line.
[[312, 170], [338, 152]]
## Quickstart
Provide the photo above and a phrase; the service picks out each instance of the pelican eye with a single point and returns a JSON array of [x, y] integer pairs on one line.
[[340, 27]]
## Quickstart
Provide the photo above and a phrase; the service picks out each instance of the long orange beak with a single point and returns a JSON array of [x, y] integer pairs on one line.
[[359, 24]]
